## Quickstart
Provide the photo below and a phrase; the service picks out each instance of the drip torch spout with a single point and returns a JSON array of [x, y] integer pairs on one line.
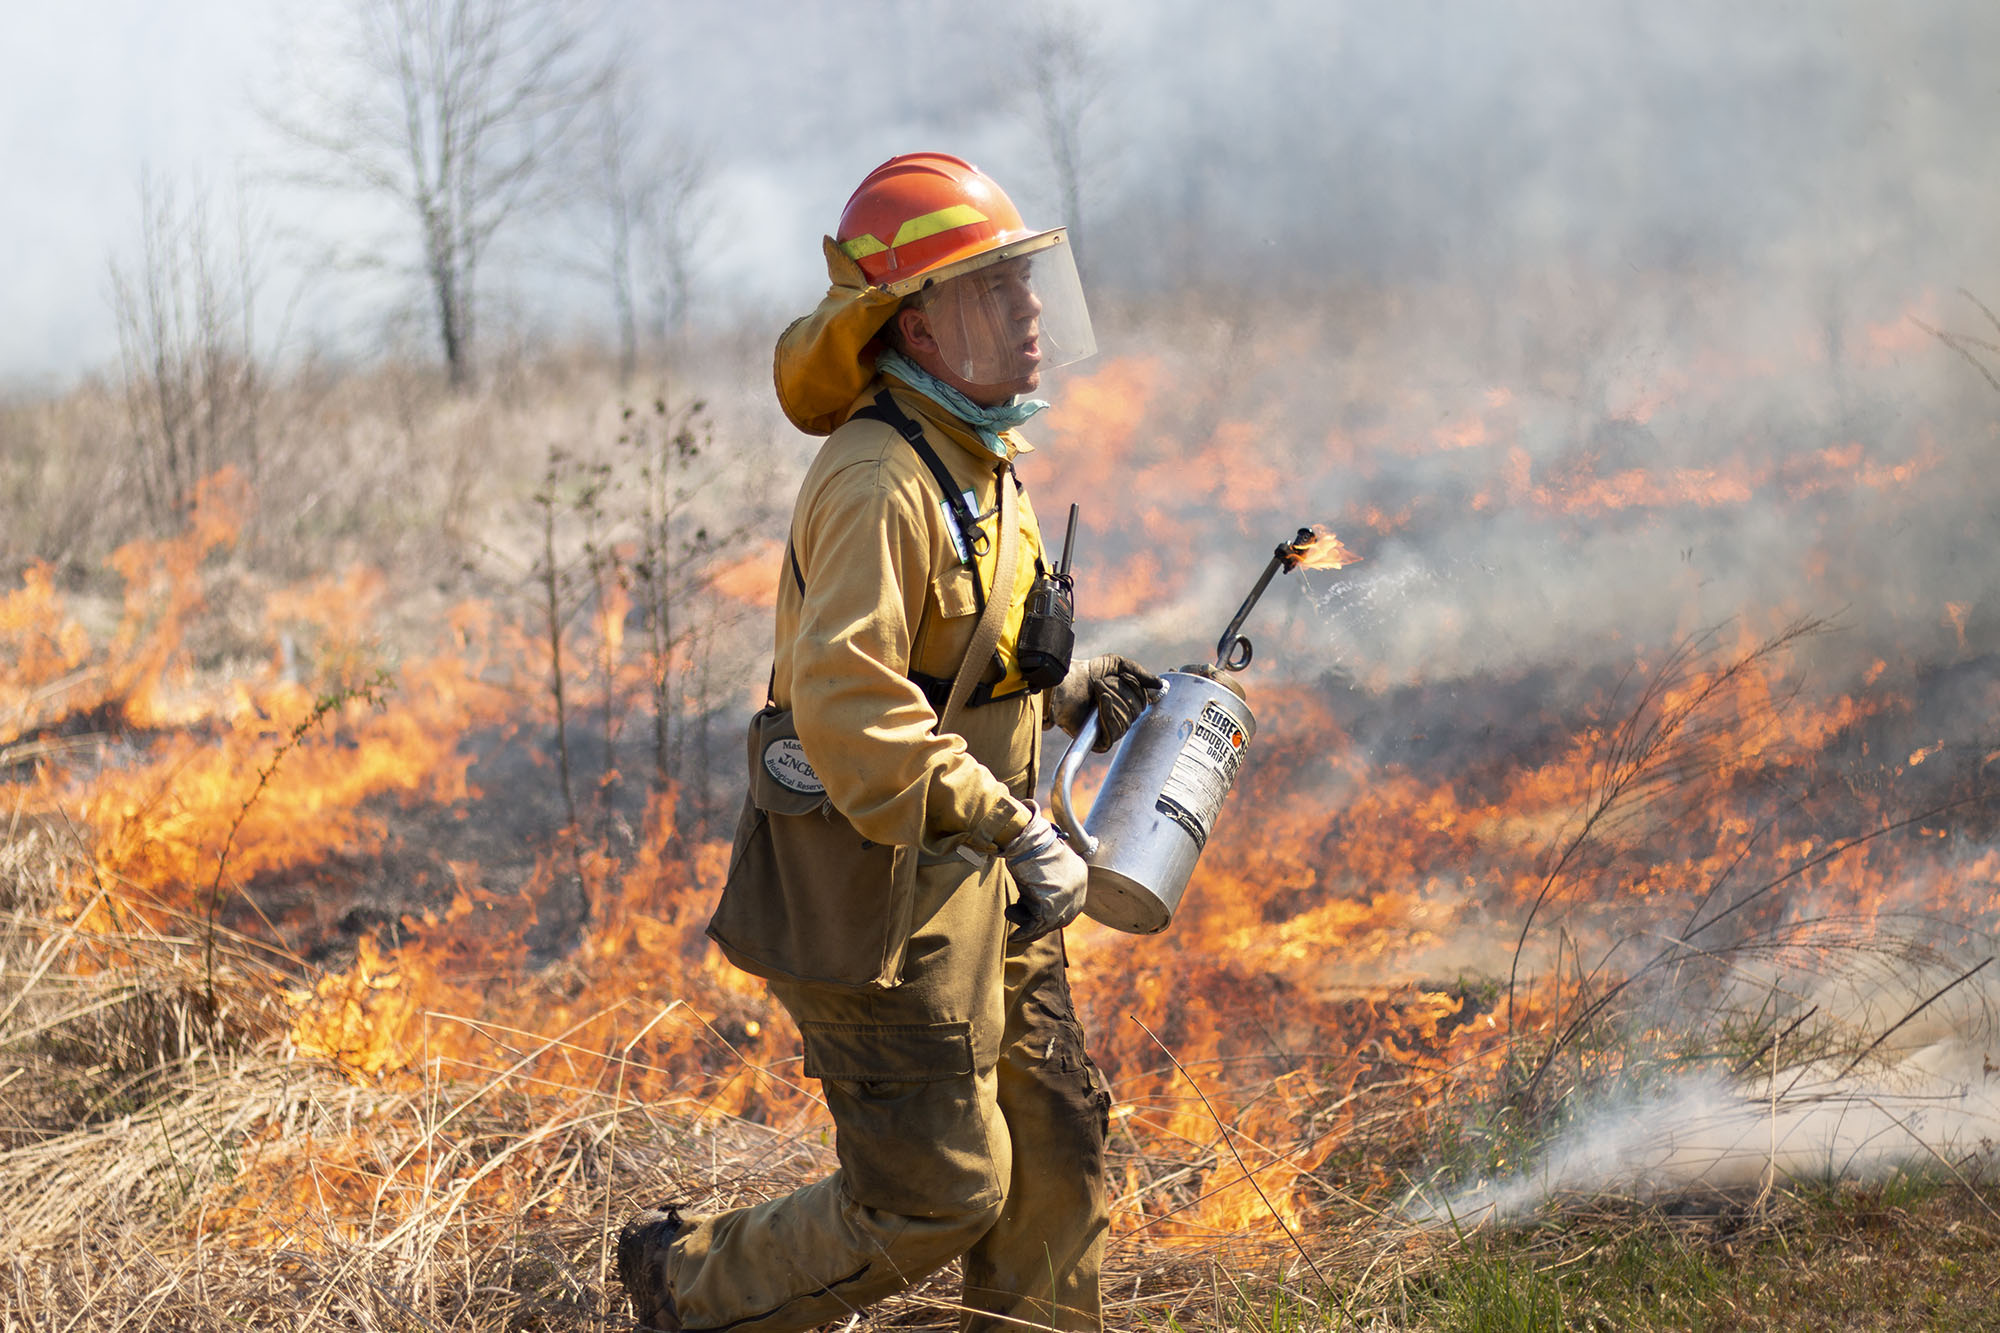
[[1232, 650]]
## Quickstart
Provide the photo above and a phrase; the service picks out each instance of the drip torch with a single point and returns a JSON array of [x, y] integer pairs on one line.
[[1170, 773]]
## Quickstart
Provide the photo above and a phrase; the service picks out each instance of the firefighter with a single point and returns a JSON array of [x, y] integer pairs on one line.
[[892, 879]]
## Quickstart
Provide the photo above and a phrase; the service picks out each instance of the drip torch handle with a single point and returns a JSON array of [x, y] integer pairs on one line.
[[1062, 797], [1232, 650]]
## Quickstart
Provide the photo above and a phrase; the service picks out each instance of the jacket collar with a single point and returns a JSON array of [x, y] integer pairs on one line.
[[940, 421]]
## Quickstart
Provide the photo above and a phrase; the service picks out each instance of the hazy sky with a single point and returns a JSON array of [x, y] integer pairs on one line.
[[1845, 138], [90, 93]]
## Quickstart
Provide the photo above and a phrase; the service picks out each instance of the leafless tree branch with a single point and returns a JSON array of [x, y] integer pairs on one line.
[[194, 383], [1066, 80], [641, 202], [456, 113]]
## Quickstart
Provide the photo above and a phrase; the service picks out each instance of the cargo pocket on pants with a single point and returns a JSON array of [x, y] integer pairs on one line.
[[910, 1120]]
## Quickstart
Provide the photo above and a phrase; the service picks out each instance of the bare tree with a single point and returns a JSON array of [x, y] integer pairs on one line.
[[455, 112], [1982, 354], [1066, 78], [192, 379], [644, 194], [671, 232]]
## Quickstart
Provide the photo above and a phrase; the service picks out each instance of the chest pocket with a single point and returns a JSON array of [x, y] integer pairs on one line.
[[940, 640], [955, 592]]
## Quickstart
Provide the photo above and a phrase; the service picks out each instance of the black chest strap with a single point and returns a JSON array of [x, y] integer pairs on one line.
[[970, 539]]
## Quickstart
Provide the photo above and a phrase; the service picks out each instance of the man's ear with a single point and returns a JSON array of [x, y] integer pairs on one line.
[[915, 327]]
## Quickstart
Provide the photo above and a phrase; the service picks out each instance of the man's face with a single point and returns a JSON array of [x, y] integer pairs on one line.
[[980, 332]]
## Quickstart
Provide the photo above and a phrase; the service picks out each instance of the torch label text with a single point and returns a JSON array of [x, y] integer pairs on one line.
[[1203, 772]]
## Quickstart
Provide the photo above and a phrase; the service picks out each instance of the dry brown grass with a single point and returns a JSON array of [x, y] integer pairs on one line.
[[174, 1162], [170, 1160], [384, 466], [168, 1166]]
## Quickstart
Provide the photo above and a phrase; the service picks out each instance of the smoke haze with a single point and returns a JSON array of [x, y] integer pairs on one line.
[[1592, 327], [1838, 152]]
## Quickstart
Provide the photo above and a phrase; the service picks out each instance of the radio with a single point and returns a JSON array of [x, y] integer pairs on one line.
[[1048, 626]]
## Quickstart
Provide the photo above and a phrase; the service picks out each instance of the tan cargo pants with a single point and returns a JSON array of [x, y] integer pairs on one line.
[[969, 1122]]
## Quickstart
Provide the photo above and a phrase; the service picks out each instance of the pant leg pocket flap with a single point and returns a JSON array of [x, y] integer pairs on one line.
[[914, 1128], [887, 1052]]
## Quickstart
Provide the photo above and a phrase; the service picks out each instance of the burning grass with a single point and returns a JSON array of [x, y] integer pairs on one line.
[[353, 968], [183, 1163], [166, 1167], [442, 1127]]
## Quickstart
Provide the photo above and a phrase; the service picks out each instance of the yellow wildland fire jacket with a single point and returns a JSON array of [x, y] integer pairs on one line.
[[857, 804], [885, 595]]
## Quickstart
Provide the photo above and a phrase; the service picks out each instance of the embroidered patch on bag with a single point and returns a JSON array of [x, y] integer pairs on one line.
[[785, 760]]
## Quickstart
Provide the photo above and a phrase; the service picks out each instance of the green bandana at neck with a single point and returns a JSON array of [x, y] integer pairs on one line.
[[986, 422]]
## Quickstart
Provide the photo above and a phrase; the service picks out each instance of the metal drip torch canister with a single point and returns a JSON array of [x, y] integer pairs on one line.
[[1168, 778]]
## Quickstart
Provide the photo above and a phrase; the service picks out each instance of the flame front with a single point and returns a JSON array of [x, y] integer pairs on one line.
[[1449, 785]]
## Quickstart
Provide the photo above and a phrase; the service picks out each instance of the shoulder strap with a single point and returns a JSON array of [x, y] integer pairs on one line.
[[993, 611], [884, 410], [987, 636]]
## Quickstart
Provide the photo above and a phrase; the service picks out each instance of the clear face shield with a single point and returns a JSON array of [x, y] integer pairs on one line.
[[1012, 314]]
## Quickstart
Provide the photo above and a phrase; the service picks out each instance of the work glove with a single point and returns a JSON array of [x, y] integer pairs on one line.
[[1117, 687], [1052, 879]]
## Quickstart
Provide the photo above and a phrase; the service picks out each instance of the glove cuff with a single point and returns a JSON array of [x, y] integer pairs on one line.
[[1038, 836], [1000, 825]]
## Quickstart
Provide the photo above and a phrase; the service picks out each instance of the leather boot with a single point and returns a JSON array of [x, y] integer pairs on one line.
[[642, 1267]]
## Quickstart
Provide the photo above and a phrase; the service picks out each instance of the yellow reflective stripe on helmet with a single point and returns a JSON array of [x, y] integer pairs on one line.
[[862, 246], [930, 224]]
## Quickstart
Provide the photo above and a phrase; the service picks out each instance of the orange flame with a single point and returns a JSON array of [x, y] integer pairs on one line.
[[1323, 551], [1340, 870]]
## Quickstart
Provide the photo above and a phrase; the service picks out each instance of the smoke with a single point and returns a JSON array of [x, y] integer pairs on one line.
[[1512, 512], [1710, 1133], [1304, 148], [1925, 1099], [1430, 140], [1590, 326]]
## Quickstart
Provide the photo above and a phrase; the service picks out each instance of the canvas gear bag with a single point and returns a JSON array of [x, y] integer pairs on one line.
[[807, 897]]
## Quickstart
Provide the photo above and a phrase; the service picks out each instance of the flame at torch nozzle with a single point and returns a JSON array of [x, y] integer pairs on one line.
[[1316, 548], [1312, 548]]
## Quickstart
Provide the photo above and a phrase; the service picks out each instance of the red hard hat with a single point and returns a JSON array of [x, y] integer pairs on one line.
[[921, 213]]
